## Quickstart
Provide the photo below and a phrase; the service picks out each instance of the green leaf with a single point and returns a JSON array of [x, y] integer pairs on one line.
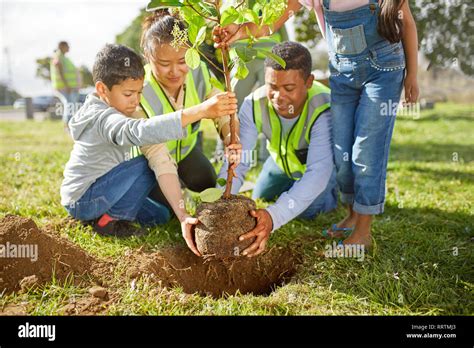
[[201, 36], [242, 70], [155, 5], [272, 11], [249, 16], [192, 58], [208, 9], [222, 181], [217, 84], [273, 56], [192, 18], [211, 195], [229, 16], [245, 53], [196, 34], [192, 34]]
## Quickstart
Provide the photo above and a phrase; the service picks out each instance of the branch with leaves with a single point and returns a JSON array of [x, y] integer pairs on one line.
[[197, 15]]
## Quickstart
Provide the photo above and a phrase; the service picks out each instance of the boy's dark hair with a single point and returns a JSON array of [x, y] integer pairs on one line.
[[296, 56], [116, 63]]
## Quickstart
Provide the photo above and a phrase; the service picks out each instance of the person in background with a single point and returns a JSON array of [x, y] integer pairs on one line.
[[65, 80]]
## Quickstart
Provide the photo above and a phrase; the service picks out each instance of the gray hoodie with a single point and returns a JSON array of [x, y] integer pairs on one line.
[[103, 138]]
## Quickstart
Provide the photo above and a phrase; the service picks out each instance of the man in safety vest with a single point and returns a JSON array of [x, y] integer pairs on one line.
[[256, 76], [65, 80], [292, 111]]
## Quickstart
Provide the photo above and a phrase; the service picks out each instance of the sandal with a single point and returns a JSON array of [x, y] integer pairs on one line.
[[346, 231]]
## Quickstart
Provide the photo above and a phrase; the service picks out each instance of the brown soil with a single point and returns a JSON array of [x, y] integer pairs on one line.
[[90, 305], [221, 223], [54, 255], [178, 266]]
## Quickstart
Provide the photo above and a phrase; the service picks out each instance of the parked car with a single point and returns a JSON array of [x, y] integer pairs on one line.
[[19, 103], [41, 103]]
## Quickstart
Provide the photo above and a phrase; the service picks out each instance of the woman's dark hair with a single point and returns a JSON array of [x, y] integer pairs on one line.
[[157, 28], [390, 24]]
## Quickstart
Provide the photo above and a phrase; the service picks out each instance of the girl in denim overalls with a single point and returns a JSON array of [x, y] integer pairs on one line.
[[372, 56]]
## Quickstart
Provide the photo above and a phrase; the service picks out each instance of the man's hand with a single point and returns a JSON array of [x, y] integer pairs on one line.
[[233, 153], [188, 224], [261, 231]]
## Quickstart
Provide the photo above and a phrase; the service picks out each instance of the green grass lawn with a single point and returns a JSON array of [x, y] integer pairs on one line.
[[421, 263]]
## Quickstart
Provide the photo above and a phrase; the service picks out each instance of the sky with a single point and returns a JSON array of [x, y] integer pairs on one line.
[[31, 29]]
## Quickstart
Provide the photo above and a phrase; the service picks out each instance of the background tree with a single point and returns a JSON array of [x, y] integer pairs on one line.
[[7, 95]]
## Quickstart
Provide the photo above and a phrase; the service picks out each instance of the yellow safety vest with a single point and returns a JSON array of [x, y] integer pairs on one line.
[[69, 71], [154, 102], [290, 152]]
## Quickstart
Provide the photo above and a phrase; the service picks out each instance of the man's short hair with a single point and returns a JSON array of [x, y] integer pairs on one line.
[[116, 63], [296, 56]]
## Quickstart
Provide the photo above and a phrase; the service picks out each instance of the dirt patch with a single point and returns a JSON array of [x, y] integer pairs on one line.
[[221, 223], [89, 305], [13, 309], [178, 266], [29, 257]]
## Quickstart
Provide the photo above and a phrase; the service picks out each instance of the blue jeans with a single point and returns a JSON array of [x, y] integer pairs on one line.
[[365, 92], [272, 182], [123, 194]]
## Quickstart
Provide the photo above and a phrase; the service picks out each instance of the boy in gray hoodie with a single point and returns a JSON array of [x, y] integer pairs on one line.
[[102, 185]]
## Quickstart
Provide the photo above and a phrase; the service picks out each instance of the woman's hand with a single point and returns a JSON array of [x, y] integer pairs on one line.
[[188, 225], [411, 89]]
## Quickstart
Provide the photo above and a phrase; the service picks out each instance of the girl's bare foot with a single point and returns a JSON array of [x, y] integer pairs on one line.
[[348, 222], [362, 232]]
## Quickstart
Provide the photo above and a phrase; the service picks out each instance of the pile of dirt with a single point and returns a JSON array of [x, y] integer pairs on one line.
[[178, 266], [29, 256], [221, 223]]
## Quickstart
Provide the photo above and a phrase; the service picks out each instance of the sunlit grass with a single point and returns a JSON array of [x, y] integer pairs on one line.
[[421, 264]]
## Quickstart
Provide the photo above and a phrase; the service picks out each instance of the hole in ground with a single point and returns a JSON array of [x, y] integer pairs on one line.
[[178, 266]]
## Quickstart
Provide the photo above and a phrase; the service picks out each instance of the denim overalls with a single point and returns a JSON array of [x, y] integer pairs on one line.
[[366, 81]]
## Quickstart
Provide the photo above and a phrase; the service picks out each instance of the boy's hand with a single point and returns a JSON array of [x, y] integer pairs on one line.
[[221, 104], [188, 224], [233, 153]]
